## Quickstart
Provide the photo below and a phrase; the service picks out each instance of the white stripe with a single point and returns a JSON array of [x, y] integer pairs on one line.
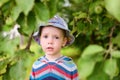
[[68, 67], [43, 73], [38, 65]]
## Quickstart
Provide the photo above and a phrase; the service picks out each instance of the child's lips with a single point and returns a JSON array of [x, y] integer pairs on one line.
[[50, 48]]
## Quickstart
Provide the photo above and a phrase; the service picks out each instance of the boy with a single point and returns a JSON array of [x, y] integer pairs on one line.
[[54, 66]]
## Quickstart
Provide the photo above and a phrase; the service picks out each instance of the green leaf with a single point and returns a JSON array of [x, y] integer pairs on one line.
[[115, 54], [31, 21], [3, 65], [98, 73], [9, 21], [15, 12], [80, 15], [116, 39], [99, 76], [52, 6], [22, 66], [8, 46], [25, 5], [26, 27], [98, 58], [85, 67], [0, 77], [110, 67], [28, 23], [22, 20], [93, 8], [6, 9], [92, 50], [2, 2], [113, 8], [6, 76], [18, 70], [41, 11]]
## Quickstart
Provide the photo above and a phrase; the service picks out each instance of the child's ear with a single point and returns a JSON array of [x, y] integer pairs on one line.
[[64, 41]]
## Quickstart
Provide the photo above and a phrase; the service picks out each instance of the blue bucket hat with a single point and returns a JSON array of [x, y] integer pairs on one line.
[[58, 22]]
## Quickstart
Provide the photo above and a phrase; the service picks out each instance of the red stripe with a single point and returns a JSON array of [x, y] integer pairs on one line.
[[57, 69], [65, 74], [75, 75], [62, 72], [40, 71]]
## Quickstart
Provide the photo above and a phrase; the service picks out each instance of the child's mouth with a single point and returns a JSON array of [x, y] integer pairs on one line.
[[49, 48]]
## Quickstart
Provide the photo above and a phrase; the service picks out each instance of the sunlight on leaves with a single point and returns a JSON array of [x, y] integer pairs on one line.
[[92, 50], [110, 67], [25, 5], [113, 7], [115, 54], [85, 68]]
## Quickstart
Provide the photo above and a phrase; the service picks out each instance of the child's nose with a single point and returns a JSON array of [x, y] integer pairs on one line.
[[50, 41]]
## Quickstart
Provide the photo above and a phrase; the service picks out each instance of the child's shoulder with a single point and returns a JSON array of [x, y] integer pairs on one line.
[[65, 58], [68, 61], [39, 61]]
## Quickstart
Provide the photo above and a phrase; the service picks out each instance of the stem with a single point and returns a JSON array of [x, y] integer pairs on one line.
[[29, 42], [110, 42]]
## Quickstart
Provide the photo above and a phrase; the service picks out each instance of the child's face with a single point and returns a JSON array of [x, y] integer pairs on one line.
[[52, 39]]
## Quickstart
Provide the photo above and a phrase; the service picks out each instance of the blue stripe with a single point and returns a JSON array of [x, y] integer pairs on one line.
[[75, 71], [41, 67], [45, 65], [52, 75], [63, 69], [58, 66]]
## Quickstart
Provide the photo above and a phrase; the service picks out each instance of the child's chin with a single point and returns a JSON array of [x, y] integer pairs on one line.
[[50, 53]]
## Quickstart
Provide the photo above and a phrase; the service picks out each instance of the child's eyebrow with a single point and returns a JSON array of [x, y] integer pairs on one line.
[[44, 33]]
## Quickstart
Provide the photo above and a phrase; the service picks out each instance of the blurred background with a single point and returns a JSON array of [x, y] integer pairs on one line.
[[94, 23]]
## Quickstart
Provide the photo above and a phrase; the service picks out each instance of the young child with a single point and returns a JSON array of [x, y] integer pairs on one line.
[[54, 66]]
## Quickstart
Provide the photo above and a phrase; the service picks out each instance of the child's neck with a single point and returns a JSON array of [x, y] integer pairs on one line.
[[53, 57]]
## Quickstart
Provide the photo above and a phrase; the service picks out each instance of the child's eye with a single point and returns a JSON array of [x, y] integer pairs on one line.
[[56, 37], [45, 36]]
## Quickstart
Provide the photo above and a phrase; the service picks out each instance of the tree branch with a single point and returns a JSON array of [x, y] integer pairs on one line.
[[110, 42], [29, 42]]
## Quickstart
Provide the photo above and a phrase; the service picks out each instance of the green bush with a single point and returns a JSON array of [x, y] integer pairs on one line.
[[94, 23]]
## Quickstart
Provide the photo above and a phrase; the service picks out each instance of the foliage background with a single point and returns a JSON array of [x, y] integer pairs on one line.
[[94, 23]]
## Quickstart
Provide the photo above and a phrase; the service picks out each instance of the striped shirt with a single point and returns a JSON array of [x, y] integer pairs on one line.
[[60, 69]]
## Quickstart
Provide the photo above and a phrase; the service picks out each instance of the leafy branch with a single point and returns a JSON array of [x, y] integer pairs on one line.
[[110, 45]]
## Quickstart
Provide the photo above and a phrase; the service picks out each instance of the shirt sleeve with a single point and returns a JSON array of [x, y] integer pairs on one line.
[[74, 73], [32, 75]]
